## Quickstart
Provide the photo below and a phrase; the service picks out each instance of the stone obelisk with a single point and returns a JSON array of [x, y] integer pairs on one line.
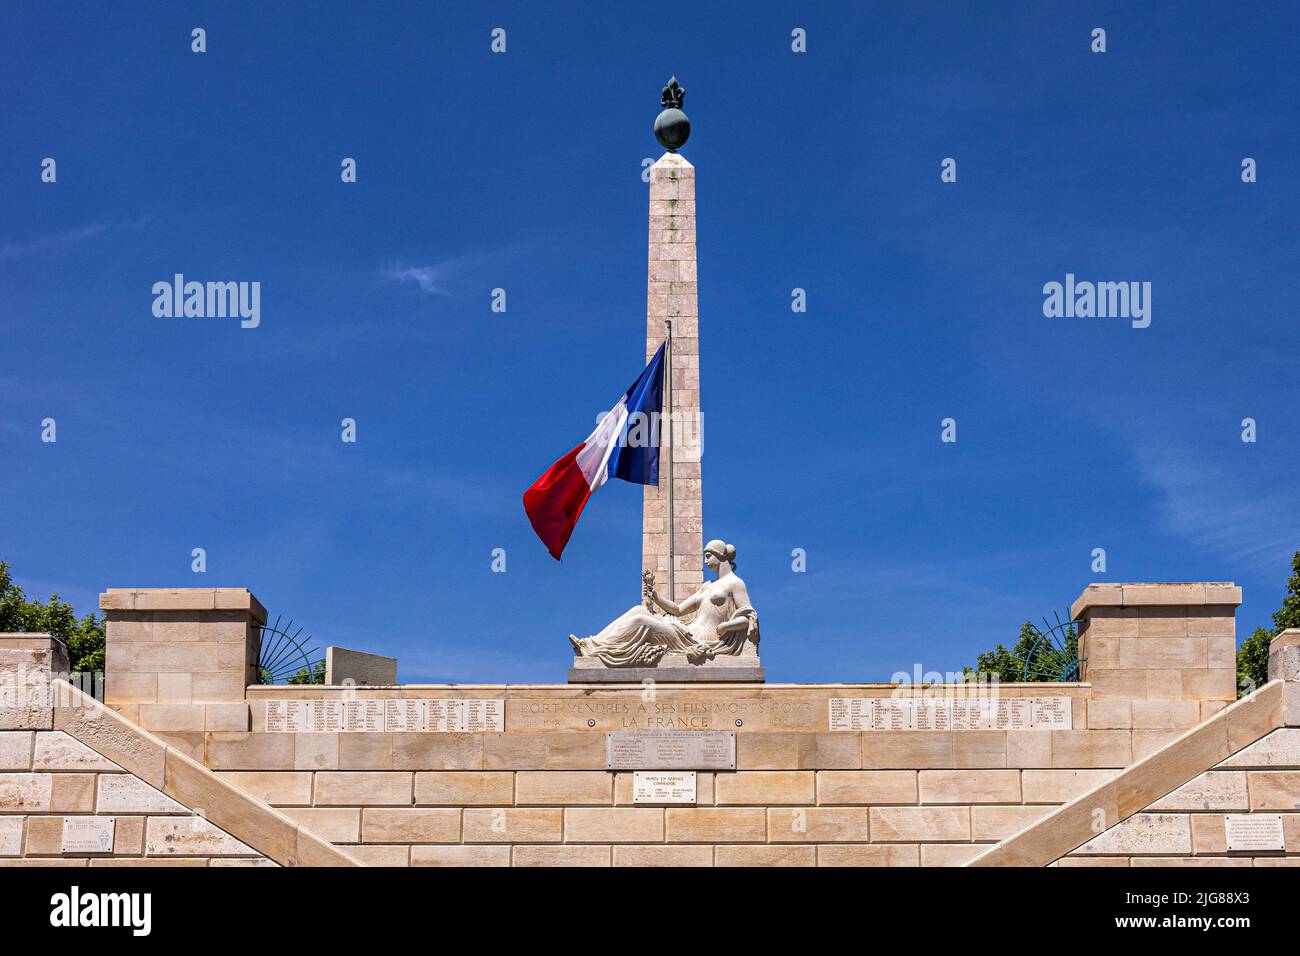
[[671, 297]]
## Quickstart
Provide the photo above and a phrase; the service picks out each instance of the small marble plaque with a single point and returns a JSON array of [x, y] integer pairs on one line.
[[288, 716], [442, 715], [404, 716], [1050, 713], [483, 715], [1254, 831], [660, 787], [970, 714], [88, 834], [670, 750], [362, 716], [326, 716]]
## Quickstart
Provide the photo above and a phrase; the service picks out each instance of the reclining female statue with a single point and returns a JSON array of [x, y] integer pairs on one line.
[[724, 621]]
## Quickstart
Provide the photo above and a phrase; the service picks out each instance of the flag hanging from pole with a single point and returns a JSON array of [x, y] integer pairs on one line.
[[625, 445]]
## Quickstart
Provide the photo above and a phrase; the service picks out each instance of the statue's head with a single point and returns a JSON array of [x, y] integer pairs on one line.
[[717, 551]]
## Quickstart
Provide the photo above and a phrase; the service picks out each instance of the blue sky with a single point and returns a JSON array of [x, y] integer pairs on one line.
[[523, 171]]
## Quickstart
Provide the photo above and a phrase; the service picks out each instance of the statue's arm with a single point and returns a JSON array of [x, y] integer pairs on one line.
[[734, 626], [679, 610]]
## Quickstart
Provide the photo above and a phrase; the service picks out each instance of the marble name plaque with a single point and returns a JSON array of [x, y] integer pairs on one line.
[[364, 716], [1254, 831], [670, 750], [656, 787], [288, 716], [483, 715], [950, 713], [88, 834], [401, 715], [326, 716]]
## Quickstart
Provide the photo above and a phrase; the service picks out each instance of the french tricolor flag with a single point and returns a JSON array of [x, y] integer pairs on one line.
[[624, 445]]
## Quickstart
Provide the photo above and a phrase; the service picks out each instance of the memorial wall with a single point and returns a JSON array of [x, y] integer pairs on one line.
[[666, 775], [703, 774]]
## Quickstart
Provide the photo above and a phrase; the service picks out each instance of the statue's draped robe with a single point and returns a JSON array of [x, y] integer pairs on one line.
[[639, 638]]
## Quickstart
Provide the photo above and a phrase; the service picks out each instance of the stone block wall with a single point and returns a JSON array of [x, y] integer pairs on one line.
[[48, 777], [1260, 779], [1172, 807], [537, 792], [69, 766], [1188, 827]]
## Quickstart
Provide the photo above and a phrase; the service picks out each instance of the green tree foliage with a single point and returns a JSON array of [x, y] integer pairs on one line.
[[1288, 615], [1252, 661], [1252, 656], [995, 665], [316, 675], [1032, 659], [84, 637]]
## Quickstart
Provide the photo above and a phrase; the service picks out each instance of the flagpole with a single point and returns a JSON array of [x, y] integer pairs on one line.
[[668, 408]]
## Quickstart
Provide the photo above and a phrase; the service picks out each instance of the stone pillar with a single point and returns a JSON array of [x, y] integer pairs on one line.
[[371, 670], [672, 295], [178, 660], [28, 662], [1284, 656], [1159, 656]]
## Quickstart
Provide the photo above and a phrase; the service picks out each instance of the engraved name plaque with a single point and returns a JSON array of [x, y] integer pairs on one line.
[[945, 713], [326, 716], [443, 715], [361, 716], [404, 716], [88, 834], [288, 716], [1254, 831], [480, 715], [670, 750], [656, 787]]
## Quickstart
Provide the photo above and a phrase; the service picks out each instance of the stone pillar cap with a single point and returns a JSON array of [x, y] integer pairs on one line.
[[1288, 638], [182, 599], [31, 641], [674, 159], [1156, 595]]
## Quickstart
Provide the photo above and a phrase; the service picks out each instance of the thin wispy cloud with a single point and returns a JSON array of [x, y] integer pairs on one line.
[[438, 278], [13, 250], [431, 279], [1246, 514]]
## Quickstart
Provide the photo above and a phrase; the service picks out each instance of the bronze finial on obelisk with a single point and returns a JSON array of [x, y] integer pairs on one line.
[[672, 126]]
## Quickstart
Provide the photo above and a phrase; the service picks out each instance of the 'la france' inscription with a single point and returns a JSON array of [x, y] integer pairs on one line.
[[670, 750], [944, 713], [666, 711]]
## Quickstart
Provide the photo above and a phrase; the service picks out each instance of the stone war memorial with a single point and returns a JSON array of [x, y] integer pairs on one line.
[[665, 744]]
